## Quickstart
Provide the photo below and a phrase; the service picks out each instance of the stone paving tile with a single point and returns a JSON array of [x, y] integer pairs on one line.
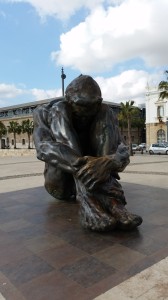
[[87, 271], [119, 257], [53, 286], [151, 283], [25, 269], [44, 250]]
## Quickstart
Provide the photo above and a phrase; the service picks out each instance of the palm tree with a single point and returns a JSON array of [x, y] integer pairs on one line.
[[163, 87], [139, 123], [128, 111], [3, 131], [27, 127], [122, 122], [15, 128]]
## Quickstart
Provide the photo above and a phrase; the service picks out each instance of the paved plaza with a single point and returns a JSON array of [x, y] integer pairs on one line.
[[45, 254]]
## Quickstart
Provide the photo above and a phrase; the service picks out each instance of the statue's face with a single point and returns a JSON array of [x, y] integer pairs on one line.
[[84, 106], [84, 97]]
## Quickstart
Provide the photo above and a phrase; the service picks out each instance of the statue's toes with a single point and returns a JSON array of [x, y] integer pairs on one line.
[[98, 223], [129, 222], [125, 219]]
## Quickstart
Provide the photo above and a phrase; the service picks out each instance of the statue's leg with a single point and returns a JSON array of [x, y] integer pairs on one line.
[[59, 184], [109, 195], [92, 214], [112, 199], [63, 186]]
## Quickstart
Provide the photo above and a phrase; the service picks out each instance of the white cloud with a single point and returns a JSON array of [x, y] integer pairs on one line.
[[114, 32], [40, 94], [61, 9], [9, 91], [134, 29], [129, 85]]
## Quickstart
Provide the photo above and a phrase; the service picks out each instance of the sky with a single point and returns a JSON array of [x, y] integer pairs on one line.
[[122, 44]]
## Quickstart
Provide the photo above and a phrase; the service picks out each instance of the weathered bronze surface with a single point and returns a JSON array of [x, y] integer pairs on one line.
[[78, 139]]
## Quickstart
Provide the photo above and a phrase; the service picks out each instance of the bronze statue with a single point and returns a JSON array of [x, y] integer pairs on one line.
[[78, 139]]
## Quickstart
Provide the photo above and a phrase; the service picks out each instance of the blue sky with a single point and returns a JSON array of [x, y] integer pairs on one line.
[[121, 43]]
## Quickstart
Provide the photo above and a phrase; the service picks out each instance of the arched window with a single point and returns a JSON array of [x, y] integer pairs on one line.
[[161, 136]]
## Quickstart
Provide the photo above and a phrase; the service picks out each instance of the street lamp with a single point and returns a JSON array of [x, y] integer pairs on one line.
[[63, 76]]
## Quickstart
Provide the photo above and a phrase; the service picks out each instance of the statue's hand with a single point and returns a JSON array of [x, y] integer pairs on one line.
[[93, 170], [122, 157]]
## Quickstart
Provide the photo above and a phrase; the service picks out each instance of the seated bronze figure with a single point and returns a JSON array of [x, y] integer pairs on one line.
[[78, 139]]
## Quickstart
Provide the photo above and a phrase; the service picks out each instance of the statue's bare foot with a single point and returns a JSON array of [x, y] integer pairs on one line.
[[93, 217], [125, 220]]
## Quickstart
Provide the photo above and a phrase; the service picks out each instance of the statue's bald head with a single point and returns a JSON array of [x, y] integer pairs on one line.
[[83, 90]]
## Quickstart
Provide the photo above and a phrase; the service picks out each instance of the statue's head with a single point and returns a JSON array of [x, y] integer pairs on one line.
[[84, 95]]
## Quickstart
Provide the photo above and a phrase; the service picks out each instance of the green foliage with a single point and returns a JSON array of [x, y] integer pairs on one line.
[[138, 122], [128, 110], [3, 130], [15, 128], [126, 116], [27, 127], [163, 88]]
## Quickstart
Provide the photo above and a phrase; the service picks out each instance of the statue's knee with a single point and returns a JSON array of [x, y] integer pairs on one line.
[[60, 191]]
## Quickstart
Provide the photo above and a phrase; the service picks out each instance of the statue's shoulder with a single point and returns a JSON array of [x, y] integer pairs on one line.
[[42, 112], [47, 107], [60, 107]]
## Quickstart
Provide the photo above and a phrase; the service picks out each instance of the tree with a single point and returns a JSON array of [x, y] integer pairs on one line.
[[27, 127], [3, 131], [15, 128], [163, 87], [122, 122], [128, 111], [139, 123]]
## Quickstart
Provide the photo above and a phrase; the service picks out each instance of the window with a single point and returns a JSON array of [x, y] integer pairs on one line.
[[161, 136], [23, 142], [160, 111]]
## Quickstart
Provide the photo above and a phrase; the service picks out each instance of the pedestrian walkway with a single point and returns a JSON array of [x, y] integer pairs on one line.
[[45, 254]]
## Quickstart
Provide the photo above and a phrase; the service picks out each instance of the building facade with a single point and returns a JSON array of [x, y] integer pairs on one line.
[[19, 113], [156, 118]]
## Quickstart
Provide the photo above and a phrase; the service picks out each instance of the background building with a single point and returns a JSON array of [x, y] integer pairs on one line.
[[19, 113], [156, 117]]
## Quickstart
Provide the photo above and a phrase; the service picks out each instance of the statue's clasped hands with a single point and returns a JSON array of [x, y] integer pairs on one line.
[[94, 170]]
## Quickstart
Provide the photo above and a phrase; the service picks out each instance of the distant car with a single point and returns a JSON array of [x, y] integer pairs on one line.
[[158, 149], [134, 147], [142, 146]]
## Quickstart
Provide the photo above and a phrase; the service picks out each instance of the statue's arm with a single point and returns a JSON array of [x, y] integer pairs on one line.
[[54, 137], [99, 169], [112, 154]]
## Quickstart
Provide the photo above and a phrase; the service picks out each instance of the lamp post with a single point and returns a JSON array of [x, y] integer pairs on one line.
[[63, 76]]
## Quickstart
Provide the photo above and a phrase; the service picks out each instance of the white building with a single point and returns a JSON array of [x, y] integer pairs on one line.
[[156, 117]]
